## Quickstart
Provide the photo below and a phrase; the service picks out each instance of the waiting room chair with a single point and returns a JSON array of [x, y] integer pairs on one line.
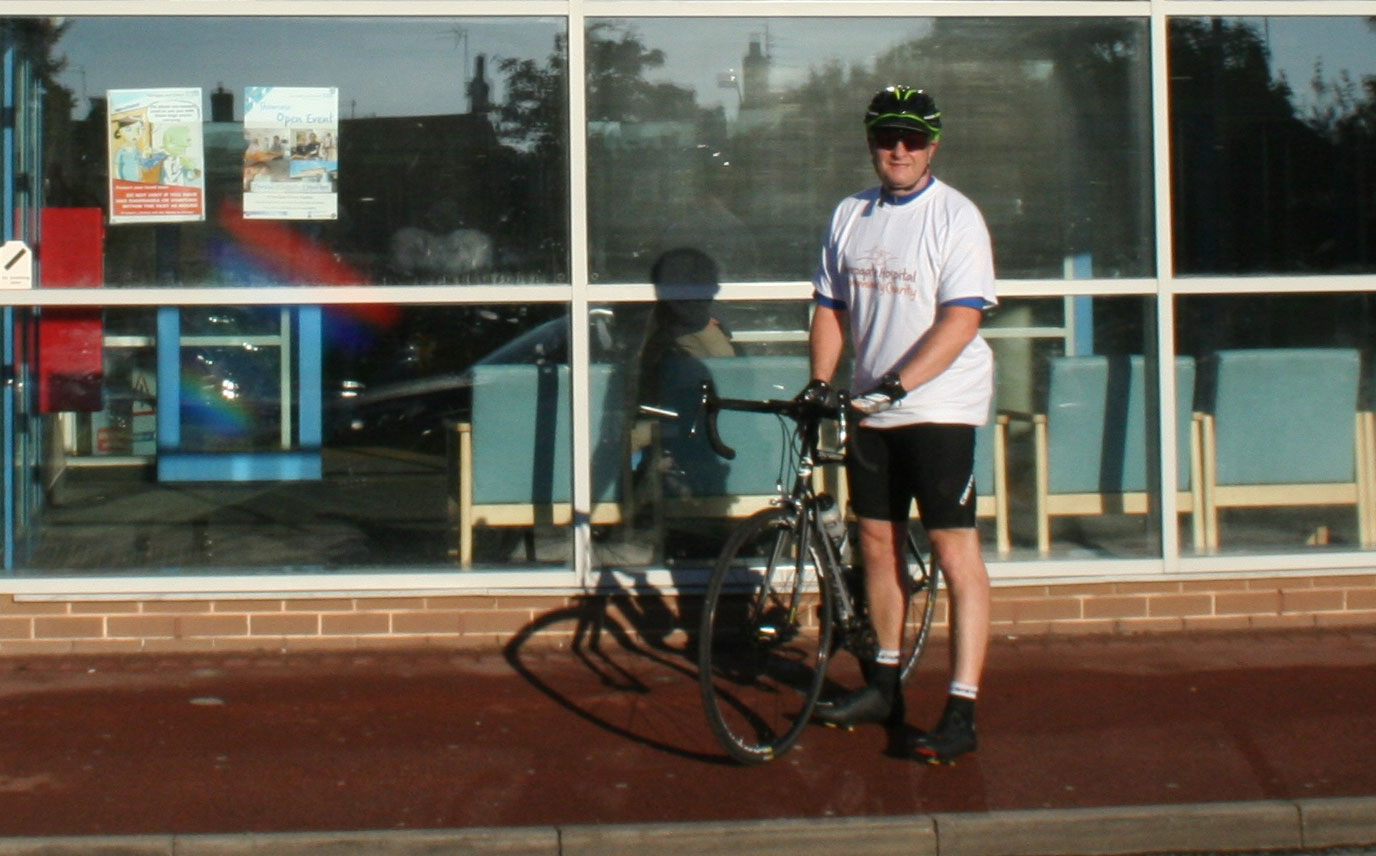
[[1283, 427], [1090, 441], [699, 483], [515, 462]]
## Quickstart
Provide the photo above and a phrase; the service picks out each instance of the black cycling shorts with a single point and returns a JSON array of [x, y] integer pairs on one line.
[[935, 464]]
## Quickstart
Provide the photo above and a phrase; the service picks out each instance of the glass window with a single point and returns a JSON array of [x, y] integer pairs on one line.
[[308, 438], [738, 136], [1285, 400], [436, 156], [1063, 468], [1273, 143]]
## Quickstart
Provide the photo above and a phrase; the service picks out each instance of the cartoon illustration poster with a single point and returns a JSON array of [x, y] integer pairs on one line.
[[291, 152], [157, 155]]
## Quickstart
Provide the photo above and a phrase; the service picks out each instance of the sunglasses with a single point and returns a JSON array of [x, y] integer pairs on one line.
[[888, 138]]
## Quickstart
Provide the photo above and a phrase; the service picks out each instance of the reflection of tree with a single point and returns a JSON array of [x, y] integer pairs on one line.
[[617, 88], [1046, 128], [1258, 188]]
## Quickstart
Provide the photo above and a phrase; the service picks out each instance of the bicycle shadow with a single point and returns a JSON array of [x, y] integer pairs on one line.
[[628, 666]]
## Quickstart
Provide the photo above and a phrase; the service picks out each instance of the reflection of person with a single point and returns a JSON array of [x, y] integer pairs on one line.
[[677, 334], [908, 267], [131, 157], [687, 326]]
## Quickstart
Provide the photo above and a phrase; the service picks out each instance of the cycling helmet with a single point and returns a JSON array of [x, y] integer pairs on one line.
[[904, 107]]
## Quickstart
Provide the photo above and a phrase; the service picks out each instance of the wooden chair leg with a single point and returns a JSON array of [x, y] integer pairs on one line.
[[465, 496], [1043, 485]]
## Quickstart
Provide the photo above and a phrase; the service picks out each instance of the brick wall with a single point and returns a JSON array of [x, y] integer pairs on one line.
[[85, 626]]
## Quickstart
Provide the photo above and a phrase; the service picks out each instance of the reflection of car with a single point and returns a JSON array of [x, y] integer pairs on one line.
[[411, 413]]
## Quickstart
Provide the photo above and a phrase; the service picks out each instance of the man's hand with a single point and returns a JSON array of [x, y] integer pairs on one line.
[[882, 397], [816, 394]]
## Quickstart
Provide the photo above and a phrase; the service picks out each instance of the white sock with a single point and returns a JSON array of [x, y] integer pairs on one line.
[[963, 690], [886, 657]]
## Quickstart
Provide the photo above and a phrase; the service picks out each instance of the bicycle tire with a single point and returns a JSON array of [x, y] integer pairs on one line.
[[764, 637], [924, 585]]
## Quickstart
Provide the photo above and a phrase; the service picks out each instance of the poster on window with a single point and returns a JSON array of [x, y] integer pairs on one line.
[[291, 152], [157, 155]]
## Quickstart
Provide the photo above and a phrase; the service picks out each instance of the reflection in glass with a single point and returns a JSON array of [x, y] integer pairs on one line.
[[451, 157], [1273, 144], [713, 134], [404, 390], [681, 499]]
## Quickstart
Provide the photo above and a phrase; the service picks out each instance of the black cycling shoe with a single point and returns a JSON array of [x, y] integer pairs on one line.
[[953, 736], [865, 706]]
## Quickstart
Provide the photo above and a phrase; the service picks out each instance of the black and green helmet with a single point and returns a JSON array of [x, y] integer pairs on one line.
[[904, 107]]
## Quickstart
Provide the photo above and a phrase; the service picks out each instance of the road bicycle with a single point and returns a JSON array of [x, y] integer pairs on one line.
[[786, 594]]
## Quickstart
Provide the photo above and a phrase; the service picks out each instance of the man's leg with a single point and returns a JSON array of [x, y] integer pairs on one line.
[[882, 544], [957, 553]]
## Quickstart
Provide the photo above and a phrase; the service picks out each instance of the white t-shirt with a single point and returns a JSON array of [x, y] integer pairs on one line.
[[890, 262]]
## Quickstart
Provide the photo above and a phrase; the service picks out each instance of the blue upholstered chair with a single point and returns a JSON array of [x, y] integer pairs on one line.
[[1283, 427], [515, 463], [1090, 441], [702, 484]]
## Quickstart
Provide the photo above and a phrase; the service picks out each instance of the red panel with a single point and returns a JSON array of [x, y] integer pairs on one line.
[[71, 352]]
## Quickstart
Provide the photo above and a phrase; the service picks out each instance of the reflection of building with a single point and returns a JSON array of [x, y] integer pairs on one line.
[[755, 74]]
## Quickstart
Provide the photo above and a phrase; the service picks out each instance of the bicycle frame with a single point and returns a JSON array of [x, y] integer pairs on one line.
[[802, 499]]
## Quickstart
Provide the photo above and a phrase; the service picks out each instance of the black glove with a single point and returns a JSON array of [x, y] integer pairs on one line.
[[882, 397], [816, 394]]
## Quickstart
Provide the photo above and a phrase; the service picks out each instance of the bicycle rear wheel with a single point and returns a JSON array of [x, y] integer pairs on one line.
[[764, 637], [924, 583]]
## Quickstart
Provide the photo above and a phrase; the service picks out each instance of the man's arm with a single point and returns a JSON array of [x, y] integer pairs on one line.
[[954, 328], [827, 341]]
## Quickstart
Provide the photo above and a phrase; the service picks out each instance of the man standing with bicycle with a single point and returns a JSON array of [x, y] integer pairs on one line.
[[907, 270]]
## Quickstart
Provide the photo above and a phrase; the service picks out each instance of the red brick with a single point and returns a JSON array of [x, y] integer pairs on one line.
[[1280, 583], [283, 625], [392, 604], [428, 622], [1213, 585], [68, 627], [34, 607], [1247, 603], [1084, 589], [1115, 607], [1314, 600], [1360, 598], [16, 628], [180, 607], [105, 607], [361, 623], [320, 605], [195, 626], [142, 626], [1170, 605], [246, 606], [1152, 587]]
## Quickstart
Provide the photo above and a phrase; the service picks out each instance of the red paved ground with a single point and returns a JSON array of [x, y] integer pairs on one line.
[[235, 743]]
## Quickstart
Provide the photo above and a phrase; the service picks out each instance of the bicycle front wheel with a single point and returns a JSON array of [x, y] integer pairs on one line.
[[923, 583], [764, 637]]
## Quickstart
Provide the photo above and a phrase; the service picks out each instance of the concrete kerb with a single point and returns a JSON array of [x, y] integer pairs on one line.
[[1110, 831]]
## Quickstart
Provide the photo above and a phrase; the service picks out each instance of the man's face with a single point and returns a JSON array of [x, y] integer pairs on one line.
[[902, 158]]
